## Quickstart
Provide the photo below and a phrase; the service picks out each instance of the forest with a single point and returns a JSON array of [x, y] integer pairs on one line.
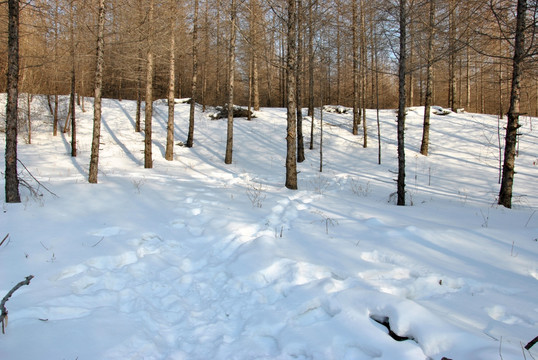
[[471, 61]]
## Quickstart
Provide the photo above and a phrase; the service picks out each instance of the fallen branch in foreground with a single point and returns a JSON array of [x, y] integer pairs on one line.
[[3, 315]]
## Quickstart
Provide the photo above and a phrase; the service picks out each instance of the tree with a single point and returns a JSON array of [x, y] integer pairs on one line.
[[231, 78], [429, 82], [291, 68], [12, 180], [169, 154], [505, 193], [94, 158], [73, 83], [401, 103], [355, 29], [148, 161], [194, 83], [299, 85]]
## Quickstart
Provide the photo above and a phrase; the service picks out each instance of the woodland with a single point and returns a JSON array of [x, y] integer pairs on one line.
[[463, 55]]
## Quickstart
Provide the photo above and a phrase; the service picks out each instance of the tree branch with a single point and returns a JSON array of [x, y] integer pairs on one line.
[[3, 314]]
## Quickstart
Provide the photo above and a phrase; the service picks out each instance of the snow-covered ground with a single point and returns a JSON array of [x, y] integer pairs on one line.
[[195, 259]]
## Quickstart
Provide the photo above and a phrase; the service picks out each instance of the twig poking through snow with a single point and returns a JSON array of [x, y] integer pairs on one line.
[[3, 315]]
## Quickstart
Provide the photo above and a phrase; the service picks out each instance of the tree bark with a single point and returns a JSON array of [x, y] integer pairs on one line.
[[73, 85], [429, 83], [291, 69], [194, 83], [148, 158], [355, 29], [299, 76], [401, 105], [94, 157], [311, 72], [231, 78], [505, 194], [11, 175], [169, 153]]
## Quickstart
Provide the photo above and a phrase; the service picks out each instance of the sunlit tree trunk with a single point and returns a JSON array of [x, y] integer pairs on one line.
[[231, 78], [355, 44], [11, 175], [291, 69], [169, 153], [429, 82], [401, 104], [299, 76], [190, 136], [94, 157], [148, 158], [505, 194]]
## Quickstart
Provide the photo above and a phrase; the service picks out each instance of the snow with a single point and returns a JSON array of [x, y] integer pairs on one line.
[[195, 259]]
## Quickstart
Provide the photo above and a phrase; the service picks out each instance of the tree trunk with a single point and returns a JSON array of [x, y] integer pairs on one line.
[[401, 104], [194, 83], [148, 158], [429, 82], [355, 29], [364, 65], [138, 127], [299, 76], [169, 153], [11, 175], [505, 194], [231, 78], [311, 72], [94, 157], [291, 69], [73, 87], [452, 55], [29, 116]]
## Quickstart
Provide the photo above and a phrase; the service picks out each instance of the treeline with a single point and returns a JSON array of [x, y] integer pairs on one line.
[[471, 60]]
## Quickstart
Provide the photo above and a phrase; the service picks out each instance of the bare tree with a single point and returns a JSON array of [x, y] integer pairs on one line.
[[169, 154], [148, 159], [12, 180], [94, 158], [231, 78], [194, 83], [355, 29], [429, 82], [505, 193], [401, 102], [299, 85], [291, 68]]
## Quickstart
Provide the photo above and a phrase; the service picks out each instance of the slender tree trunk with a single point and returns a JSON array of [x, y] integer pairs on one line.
[[206, 56], [299, 85], [190, 136], [94, 157], [148, 157], [169, 153], [29, 116], [11, 175], [138, 127], [374, 35], [291, 69], [355, 29], [311, 71], [231, 78], [255, 47], [429, 82], [452, 55], [218, 93], [73, 86], [401, 104], [505, 194], [364, 65]]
